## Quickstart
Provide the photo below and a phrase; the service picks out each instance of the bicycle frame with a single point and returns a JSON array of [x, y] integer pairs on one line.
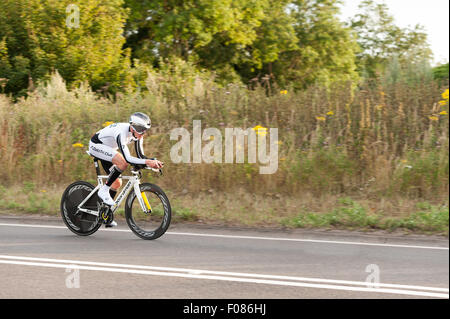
[[132, 184]]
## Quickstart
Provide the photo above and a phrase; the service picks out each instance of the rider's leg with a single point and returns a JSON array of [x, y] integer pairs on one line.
[[120, 162], [119, 166], [115, 187], [107, 165], [112, 182], [113, 175]]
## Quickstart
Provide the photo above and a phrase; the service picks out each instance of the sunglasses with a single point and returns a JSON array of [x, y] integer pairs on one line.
[[140, 129]]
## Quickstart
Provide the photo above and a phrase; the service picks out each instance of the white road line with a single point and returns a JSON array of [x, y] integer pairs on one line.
[[224, 278], [311, 241], [32, 226], [254, 281], [251, 237], [222, 273]]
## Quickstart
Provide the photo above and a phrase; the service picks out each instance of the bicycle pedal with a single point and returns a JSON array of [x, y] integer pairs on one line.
[[111, 224]]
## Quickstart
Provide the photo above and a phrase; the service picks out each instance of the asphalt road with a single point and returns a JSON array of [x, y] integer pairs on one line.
[[41, 258]]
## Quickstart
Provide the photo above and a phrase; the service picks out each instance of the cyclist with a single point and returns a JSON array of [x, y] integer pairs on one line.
[[104, 144]]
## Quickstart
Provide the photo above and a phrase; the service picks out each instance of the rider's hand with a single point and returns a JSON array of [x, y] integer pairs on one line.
[[154, 163]]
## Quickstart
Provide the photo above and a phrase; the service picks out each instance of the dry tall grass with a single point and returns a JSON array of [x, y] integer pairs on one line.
[[377, 140]]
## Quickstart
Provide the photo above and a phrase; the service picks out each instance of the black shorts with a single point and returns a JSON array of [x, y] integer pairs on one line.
[[106, 165]]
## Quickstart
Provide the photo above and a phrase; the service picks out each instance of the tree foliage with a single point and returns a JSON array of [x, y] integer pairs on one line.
[[440, 72], [173, 27], [35, 40], [325, 49], [300, 42], [381, 39], [294, 43]]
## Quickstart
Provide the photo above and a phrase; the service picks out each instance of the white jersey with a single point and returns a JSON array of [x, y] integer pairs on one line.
[[104, 144]]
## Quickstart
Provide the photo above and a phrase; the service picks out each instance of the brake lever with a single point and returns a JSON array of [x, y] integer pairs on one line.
[[156, 170]]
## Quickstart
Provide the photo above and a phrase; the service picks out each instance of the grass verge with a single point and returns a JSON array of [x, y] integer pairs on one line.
[[349, 214], [271, 210]]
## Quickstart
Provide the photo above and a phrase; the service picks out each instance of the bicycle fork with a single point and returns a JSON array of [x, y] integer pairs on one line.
[[142, 199]]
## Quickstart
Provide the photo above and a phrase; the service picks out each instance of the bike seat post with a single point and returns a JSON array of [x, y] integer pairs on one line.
[[97, 168]]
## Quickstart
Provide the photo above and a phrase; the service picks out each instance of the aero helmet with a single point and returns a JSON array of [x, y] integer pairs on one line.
[[140, 122]]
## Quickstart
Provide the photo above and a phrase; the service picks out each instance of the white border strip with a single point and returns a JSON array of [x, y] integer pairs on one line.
[[224, 276], [252, 237]]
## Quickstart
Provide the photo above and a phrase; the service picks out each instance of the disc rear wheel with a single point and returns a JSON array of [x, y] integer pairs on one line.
[[79, 222]]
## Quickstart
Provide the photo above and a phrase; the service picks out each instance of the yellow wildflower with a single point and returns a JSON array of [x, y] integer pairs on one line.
[[43, 191], [442, 103], [77, 145], [320, 118], [445, 95], [443, 113], [284, 92], [330, 113], [260, 130], [433, 118], [108, 123]]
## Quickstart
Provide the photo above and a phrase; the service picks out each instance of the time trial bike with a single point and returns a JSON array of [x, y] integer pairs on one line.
[[147, 208]]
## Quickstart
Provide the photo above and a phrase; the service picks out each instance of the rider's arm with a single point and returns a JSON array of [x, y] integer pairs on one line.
[[138, 146], [126, 152]]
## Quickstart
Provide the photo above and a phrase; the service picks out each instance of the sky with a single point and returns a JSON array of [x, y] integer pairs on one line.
[[432, 14]]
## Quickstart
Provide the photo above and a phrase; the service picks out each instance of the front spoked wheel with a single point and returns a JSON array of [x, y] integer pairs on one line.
[[153, 224]]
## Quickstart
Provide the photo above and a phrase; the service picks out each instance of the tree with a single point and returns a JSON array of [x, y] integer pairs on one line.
[[380, 39], [37, 38], [162, 28], [299, 41], [273, 35], [325, 51], [440, 72]]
